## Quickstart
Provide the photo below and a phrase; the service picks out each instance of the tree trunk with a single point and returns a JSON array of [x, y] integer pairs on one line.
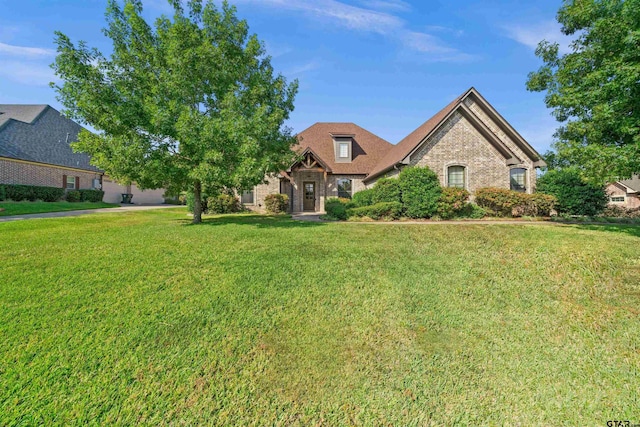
[[197, 202]]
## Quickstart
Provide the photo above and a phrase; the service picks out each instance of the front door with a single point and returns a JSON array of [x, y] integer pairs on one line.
[[309, 203]]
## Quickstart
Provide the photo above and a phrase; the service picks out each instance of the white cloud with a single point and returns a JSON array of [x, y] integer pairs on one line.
[[25, 51], [395, 5], [27, 72], [309, 66], [532, 34], [373, 21]]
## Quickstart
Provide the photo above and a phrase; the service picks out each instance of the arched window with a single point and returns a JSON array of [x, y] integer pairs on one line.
[[456, 176], [518, 179], [344, 188]]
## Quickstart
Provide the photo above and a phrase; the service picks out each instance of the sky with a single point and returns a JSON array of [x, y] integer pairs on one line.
[[386, 65]]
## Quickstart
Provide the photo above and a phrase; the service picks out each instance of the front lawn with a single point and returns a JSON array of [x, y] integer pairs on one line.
[[23, 208], [140, 318]]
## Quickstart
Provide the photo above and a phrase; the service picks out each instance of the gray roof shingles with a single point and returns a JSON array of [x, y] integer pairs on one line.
[[39, 133]]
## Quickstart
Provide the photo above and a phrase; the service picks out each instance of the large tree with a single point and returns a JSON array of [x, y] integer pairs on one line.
[[190, 103], [594, 90]]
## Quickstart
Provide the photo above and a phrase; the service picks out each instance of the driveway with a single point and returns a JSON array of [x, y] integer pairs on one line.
[[131, 208]]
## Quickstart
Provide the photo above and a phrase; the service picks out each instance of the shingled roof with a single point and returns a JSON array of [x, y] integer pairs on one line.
[[367, 150], [633, 183], [39, 133]]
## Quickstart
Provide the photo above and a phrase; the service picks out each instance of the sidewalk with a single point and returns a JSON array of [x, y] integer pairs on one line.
[[130, 208]]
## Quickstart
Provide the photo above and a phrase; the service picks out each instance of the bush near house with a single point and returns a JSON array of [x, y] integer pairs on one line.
[[382, 210], [502, 202], [386, 190], [18, 193], [93, 196], [363, 198], [613, 211], [73, 196], [420, 192], [453, 202], [222, 204], [3, 193], [574, 195], [276, 203], [337, 208]]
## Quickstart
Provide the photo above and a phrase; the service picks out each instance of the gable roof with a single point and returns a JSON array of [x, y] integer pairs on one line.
[[39, 133], [367, 149], [401, 151], [632, 184]]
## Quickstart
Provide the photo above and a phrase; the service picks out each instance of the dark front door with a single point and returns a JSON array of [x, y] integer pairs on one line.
[[309, 203]]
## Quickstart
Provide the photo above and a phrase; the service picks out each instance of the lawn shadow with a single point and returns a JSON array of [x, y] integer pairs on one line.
[[631, 229], [255, 220]]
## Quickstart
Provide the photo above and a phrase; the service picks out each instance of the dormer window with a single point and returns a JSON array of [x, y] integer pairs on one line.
[[343, 147]]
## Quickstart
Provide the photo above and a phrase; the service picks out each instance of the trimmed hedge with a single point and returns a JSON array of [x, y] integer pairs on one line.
[[363, 198], [276, 203], [3, 193], [91, 195], [18, 193], [613, 211], [386, 190], [420, 191], [501, 202], [453, 202], [73, 196], [575, 195], [382, 210], [222, 204], [336, 208]]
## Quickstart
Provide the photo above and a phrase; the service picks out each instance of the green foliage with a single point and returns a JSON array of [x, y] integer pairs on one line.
[[276, 203], [575, 195], [191, 103], [613, 211], [32, 193], [73, 196], [420, 191], [387, 190], [473, 211], [594, 90], [3, 193], [363, 197], [91, 195], [222, 204], [190, 198], [502, 202], [452, 202], [336, 208], [381, 210]]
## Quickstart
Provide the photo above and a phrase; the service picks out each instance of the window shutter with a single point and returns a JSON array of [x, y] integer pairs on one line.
[[77, 182], [64, 181]]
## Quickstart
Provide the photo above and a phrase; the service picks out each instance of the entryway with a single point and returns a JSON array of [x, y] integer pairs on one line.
[[309, 202]]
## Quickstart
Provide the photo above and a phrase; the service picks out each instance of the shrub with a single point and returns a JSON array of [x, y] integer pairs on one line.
[[73, 196], [3, 194], [222, 204], [363, 198], [336, 208], [18, 193], [452, 202], [502, 202], [386, 190], [91, 195], [575, 195], [613, 211], [276, 203], [473, 211], [420, 192], [382, 210]]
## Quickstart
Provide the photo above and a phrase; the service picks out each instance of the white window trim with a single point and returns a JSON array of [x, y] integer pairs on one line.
[[624, 199], [73, 183]]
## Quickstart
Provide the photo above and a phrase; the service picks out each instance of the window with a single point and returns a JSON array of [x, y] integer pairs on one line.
[[71, 182], [344, 150], [518, 179], [344, 188], [455, 176], [617, 199], [247, 197]]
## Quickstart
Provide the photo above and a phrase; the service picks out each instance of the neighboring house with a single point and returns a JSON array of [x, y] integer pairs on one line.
[[468, 144], [35, 150], [625, 193]]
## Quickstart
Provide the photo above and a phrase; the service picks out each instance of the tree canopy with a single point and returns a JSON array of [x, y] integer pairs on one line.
[[190, 103], [594, 90]]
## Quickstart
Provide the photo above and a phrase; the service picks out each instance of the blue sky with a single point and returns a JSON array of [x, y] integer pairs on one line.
[[386, 65]]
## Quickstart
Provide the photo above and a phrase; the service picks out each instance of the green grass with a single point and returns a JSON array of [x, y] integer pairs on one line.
[[141, 318], [22, 208]]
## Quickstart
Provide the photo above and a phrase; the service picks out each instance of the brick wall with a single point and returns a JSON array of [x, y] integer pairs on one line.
[[631, 201], [12, 172]]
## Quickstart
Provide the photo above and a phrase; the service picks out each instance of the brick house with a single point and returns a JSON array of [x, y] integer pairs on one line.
[[35, 150], [625, 193], [467, 143]]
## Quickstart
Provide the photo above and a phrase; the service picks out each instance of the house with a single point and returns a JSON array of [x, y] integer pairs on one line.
[[35, 150], [467, 143], [625, 193]]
